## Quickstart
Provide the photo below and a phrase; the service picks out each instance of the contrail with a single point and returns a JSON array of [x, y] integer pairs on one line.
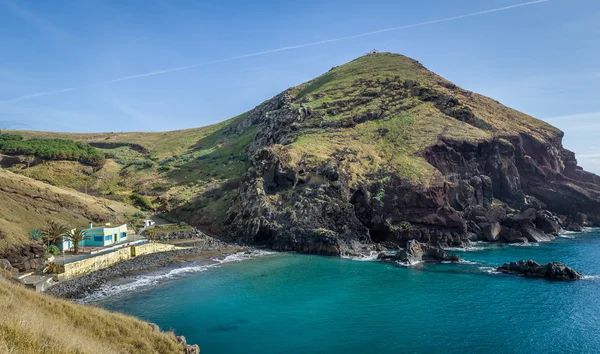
[[282, 49]]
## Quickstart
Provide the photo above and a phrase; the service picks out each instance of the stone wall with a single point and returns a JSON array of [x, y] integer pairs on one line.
[[79, 268]]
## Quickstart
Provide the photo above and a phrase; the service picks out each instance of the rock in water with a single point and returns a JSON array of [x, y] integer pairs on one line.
[[552, 270], [413, 253], [574, 227], [559, 271], [416, 252]]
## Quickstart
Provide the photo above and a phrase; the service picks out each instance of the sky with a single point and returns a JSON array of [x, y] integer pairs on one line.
[[155, 65]]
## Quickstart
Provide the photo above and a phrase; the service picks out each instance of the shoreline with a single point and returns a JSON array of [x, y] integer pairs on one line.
[[199, 250], [204, 249]]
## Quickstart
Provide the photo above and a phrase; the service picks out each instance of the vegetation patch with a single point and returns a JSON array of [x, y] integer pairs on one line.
[[51, 149]]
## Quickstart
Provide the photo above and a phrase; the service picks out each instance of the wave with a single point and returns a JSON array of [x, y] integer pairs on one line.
[[464, 249], [142, 281], [409, 265], [490, 270], [148, 280], [589, 277], [372, 256], [240, 256], [525, 244], [463, 261]]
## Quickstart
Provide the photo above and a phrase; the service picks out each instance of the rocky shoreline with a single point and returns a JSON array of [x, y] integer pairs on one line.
[[198, 248]]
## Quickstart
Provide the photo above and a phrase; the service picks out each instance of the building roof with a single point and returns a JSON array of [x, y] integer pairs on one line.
[[107, 227]]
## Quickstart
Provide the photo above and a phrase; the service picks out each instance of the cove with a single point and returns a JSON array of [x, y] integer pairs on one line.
[[284, 303]]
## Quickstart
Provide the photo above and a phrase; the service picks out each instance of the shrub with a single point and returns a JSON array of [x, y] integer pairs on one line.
[[141, 202], [53, 250], [405, 226], [35, 235], [51, 149], [54, 268]]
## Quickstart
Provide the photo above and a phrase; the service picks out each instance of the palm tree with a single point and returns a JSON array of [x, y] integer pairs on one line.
[[134, 225], [53, 232], [77, 236]]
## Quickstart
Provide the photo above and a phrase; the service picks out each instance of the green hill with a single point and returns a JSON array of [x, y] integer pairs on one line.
[[179, 171], [376, 150]]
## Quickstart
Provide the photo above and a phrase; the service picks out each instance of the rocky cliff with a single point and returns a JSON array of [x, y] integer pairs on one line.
[[381, 151]]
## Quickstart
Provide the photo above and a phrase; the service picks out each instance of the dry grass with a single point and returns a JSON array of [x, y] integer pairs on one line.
[[69, 174], [507, 121], [27, 204], [34, 323]]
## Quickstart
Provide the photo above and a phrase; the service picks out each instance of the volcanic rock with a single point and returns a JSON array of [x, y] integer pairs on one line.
[[552, 270]]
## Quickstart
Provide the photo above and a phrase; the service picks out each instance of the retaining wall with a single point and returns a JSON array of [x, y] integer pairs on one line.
[[79, 268]]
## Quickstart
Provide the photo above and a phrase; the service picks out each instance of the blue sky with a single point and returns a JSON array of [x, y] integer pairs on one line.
[[541, 59]]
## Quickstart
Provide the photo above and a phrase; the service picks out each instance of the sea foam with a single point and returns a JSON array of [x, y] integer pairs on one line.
[[464, 249], [152, 279], [372, 256], [490, 270]]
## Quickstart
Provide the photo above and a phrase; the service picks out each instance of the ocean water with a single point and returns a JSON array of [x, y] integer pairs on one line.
[[286, 303]]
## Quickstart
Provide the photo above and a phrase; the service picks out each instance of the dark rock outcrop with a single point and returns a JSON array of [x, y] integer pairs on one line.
[[491, 231], [574, 227], [552, 270], [25, 258], [416, 252], [6, 266]]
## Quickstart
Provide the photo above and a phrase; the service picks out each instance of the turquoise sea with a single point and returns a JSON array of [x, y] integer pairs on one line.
[[287, 303]]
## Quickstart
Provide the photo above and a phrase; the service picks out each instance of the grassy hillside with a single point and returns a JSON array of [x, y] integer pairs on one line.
[[179, 171], [159, 144], [27, 204], [385, 109], [33, 323]]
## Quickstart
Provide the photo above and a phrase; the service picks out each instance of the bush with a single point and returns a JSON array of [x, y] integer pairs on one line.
[[35, 235], [141, 202], [53, 250], [54, 268], [51, 149]]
